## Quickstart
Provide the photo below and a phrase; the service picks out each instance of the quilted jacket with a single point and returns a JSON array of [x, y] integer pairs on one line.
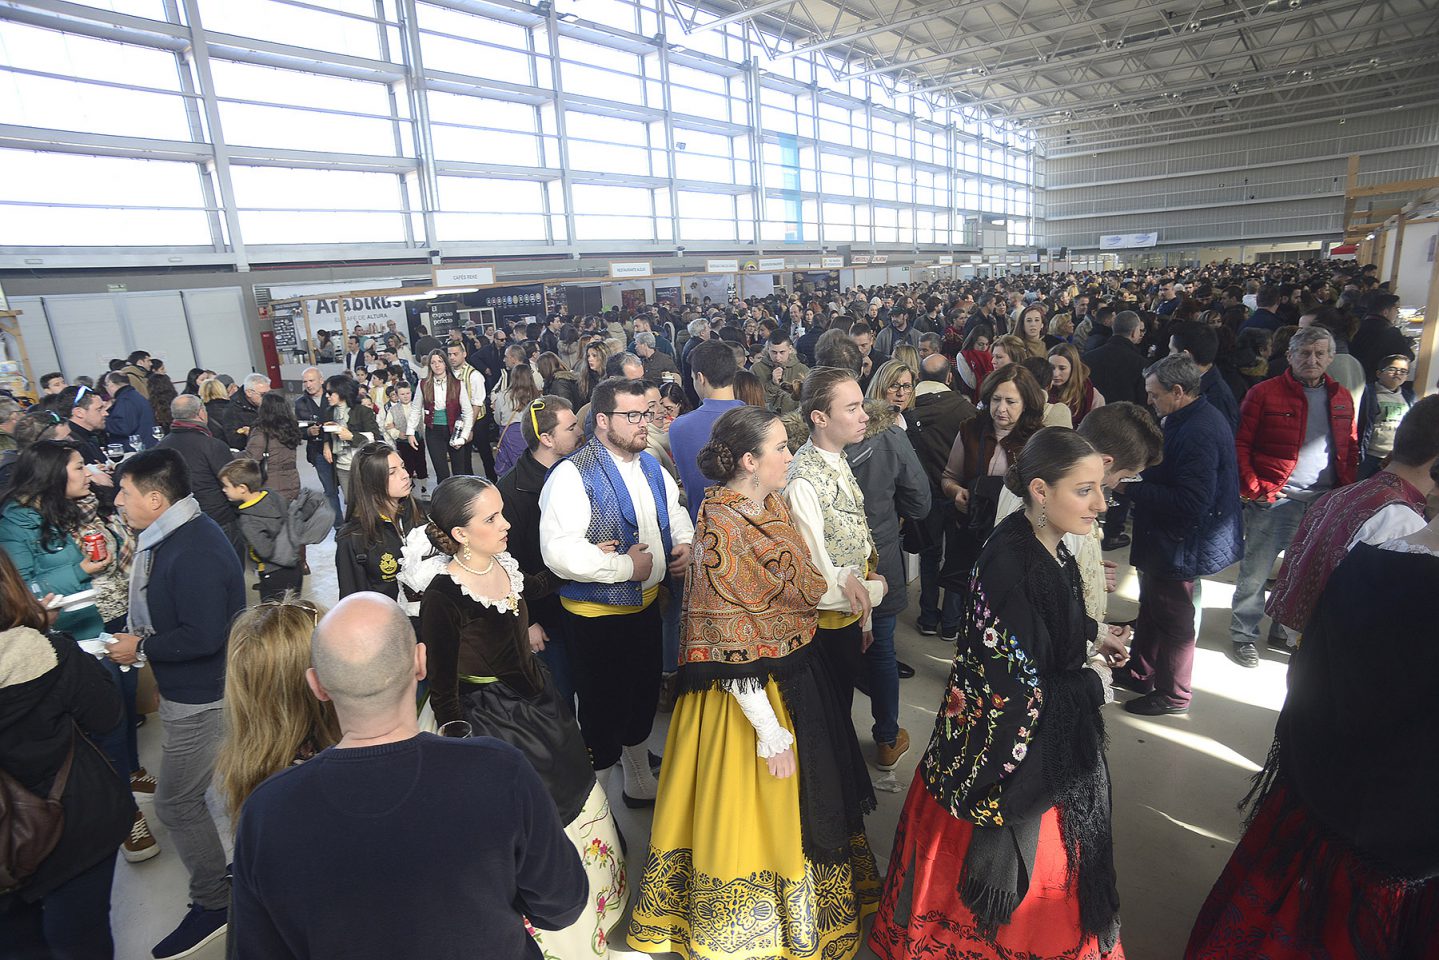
[[1187, 520], [1271, 431]]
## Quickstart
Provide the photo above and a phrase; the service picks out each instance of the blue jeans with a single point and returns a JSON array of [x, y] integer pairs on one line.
[[71, 922], [1268, 528], [883, 670], [556, 656], [326, 472], [120, 745], [930, 614]]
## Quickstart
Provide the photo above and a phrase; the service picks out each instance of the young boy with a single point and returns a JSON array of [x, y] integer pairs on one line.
[[264, 516]]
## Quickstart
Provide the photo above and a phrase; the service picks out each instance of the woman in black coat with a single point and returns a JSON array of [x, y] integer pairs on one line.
[[53, 697]]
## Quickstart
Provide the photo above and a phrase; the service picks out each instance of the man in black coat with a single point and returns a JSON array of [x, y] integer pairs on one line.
[[934, 422], [1117, 371], [559, 436], [1117, 368], [205, 456], [1377, 336]]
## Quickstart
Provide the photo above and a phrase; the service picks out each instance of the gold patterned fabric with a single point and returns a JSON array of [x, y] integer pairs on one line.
[[751, 593], [726, 877]]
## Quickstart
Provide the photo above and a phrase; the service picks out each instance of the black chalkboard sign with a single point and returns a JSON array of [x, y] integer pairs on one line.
[[282, 320]]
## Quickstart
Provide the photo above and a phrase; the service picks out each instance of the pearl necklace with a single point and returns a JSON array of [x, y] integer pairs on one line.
[[472, 570]]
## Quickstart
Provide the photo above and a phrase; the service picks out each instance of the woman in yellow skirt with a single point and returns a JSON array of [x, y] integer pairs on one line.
[[758, 845]]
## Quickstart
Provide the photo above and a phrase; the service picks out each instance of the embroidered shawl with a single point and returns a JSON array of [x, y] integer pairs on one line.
[[751, 594], [1323, 538]]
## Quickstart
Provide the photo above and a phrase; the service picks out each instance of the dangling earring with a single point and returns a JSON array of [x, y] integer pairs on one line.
[[754, 480], [1043, 516], [467, 552]]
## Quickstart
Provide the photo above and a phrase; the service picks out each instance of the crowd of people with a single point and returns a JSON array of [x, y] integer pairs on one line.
[[704, 509]]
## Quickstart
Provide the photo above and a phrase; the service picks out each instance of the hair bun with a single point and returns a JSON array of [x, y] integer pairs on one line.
[[716, 460], [443, 541], [1012, 481]]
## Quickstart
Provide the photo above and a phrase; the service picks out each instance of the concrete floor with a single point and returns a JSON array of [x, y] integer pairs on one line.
[[1176, 782]]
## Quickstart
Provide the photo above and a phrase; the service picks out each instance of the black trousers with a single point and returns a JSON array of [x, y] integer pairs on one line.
[[274, 581], [447, 459], [615, 663], [842, 648], [481, 442]]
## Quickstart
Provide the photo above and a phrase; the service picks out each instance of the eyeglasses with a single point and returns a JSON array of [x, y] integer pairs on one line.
[[633, 416], [901, 387], [1394, 370], [297, 603]]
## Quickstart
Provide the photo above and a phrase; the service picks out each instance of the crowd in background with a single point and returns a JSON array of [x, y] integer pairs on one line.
[[704, 508]]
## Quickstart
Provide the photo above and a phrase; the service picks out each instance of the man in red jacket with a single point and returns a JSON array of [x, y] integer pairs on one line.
[[1296, 441]]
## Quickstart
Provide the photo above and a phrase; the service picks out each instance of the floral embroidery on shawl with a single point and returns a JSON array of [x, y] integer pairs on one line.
[[987, 721]]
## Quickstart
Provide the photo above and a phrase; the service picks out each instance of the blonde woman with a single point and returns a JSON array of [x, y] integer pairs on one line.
[[1030, 327], [894, 384], [1009, 349], [596, 356], [272, 720]]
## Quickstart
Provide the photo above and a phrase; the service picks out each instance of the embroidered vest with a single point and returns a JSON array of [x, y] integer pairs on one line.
[[452, 401], [846, 531], [612, 517], [1322, 541]]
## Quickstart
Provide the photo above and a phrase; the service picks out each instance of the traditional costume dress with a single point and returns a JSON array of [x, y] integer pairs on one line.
[[743, 864], [481, 669], [1003, 849], [1341, 859]]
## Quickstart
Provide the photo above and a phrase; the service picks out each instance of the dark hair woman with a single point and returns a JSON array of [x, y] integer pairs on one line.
[[273, 441], [748, 389], [192, 381], [52, 697], [592, 371], [1031, 848], [442, 405], [1070, 383], [162, 391], [753, 680], [1011, 407], [558, 380], [380, 515], [350, 425], [483, 670]]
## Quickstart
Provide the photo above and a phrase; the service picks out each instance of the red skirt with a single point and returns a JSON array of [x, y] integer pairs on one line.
[[1283, 866], [921, 916]]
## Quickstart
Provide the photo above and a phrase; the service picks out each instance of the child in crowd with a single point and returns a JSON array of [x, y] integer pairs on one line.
[[264, 522]]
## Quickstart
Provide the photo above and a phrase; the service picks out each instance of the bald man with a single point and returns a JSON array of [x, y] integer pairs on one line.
[[396, 843]]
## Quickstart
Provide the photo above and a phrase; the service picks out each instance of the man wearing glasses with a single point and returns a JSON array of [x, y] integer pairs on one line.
[[612, 525]]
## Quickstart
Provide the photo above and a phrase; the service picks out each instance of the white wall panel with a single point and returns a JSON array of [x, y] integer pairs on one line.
[[87, 332], [157, 324], [218, 330], [36, 332]]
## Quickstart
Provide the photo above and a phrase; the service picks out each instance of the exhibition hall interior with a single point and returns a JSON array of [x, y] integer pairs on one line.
[[754, 479]]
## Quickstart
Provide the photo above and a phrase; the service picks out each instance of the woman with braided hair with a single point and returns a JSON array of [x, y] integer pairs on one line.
[[482, 665], [758, 846]]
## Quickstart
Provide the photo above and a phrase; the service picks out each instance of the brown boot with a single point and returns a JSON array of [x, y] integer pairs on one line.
[[887, 755]]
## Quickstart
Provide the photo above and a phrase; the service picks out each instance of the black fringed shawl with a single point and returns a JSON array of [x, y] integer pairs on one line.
[[1019, 687]]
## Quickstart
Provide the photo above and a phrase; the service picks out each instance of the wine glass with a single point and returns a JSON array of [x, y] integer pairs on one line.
[[134, 441], [114, 452], [460, 729], [158, 433]]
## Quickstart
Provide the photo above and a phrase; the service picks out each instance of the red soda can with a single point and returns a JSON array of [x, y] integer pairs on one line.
[[95, 549]]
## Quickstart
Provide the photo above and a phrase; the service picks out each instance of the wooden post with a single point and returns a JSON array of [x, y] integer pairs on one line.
[[1398, 249], [1380, 245], [1351, 183], [1429, 339], [10, 324]]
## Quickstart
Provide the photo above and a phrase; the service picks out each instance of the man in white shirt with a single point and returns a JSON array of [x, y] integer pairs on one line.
[[611, 524], [474, 383]]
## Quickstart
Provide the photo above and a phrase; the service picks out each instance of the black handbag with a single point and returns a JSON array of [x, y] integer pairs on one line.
[[543, 728], [984, 492]]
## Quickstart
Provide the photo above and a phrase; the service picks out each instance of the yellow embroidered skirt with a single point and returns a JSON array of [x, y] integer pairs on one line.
[[726, 875]]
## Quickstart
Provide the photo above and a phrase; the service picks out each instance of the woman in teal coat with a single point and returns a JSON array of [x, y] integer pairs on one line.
[[38, 519]]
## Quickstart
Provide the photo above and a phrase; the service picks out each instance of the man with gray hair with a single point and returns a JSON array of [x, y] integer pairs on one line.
[[245, 409], [1296, 440], [1187, 525], [655, 362], [386, 824], [205, 455]]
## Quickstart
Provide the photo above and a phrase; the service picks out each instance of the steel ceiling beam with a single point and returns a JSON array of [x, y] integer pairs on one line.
[[737, 16], [1360, 37], [1280, 17]]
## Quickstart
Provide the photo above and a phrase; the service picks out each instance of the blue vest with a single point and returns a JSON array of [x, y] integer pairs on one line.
[[612, 517]]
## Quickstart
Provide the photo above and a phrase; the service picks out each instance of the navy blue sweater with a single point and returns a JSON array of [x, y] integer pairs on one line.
[[428, 847], [196, 590], [1187, 520]]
